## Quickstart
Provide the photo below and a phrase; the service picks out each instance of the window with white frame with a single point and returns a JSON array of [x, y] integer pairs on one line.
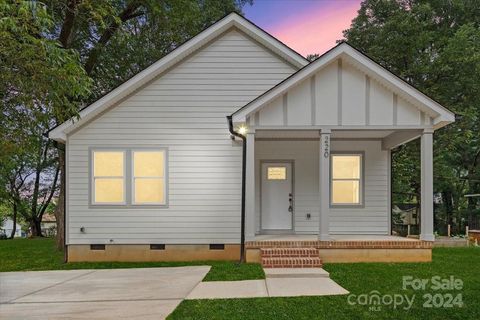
[[148, 177], [129, 177], [108, 177], [346, 179]]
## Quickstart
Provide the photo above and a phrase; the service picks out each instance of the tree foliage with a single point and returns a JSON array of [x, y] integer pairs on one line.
[[435, 46]]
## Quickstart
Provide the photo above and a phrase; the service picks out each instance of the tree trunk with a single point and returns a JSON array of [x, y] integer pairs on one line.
[[36, 228], [60, 208], [14, 218]]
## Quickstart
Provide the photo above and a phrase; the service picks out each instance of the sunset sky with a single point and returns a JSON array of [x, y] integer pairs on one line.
[[307, 26]]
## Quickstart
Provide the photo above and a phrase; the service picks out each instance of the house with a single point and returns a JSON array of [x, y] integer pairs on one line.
[[49, 225], [7, 227], [154, 169]]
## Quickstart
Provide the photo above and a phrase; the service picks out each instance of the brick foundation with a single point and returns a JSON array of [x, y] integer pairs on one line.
[[273, 253]]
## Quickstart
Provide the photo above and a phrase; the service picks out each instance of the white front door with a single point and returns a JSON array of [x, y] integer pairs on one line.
[[277, 196]]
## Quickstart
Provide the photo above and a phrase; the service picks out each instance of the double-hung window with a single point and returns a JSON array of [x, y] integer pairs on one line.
[[108, 177], [346, 180], [129, 176], [148, 177]]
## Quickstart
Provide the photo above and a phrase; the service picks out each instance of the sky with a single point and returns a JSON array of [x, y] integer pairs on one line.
[[307, 26]]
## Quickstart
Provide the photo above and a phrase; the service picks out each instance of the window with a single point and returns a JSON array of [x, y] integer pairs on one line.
[[277, 173], [346, 179], [109, 177], [149, 177], [129, 177]]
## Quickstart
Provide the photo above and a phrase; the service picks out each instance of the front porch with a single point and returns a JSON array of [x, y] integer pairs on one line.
[[340, 248], [328, 184]]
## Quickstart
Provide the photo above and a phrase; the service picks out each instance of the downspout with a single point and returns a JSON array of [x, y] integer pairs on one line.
[[244, 170]]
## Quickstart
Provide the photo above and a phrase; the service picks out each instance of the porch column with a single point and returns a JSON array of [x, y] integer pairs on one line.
[[250, 188], [426, 201], [324, 184]]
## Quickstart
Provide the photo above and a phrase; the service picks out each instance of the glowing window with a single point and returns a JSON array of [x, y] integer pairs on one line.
[[346, 179], [109, 177], [277, 173], [149, 177]]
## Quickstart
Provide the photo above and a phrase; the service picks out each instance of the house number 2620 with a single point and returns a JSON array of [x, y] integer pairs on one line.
[[326, 147]]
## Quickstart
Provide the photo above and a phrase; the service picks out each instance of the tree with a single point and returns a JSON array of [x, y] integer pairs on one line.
[[39, 81], [434, 45]]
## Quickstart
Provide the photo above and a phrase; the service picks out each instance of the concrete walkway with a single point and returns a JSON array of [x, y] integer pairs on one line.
[[278, 283], [150, 293]]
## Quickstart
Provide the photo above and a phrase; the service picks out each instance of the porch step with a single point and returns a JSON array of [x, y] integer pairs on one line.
[[289, 252], [292, 262], [295, 273]]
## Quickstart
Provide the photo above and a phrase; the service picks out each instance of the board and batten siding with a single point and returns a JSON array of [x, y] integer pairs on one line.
[[372, 218], [339, 94], [184, 110]]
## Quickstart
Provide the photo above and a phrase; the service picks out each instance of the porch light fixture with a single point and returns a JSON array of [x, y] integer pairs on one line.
[[242, 130]]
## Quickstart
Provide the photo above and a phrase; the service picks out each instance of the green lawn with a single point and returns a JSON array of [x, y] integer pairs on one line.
[[361, 278], [40, 254]]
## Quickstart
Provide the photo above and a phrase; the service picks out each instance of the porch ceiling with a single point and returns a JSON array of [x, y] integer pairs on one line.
[[390, 138]]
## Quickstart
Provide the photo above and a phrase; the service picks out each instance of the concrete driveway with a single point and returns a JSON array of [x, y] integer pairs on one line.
[[150, 293]]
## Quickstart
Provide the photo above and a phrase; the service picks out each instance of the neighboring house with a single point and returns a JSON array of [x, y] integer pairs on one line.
[[7, 227], [407, 213], [154, 174], [49, 225]]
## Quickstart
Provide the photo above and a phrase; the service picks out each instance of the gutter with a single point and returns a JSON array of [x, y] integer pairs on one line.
[[244, 170]]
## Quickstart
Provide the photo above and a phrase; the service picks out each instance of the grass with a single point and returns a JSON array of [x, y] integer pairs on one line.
[[360, 278], [40, 254]]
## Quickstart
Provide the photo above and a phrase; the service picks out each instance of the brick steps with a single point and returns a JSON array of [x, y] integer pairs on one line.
[[289, 252], [290, 258]]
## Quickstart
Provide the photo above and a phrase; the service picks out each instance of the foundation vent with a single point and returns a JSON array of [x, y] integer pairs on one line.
[[157, 247], [97, 247], [217, 246]]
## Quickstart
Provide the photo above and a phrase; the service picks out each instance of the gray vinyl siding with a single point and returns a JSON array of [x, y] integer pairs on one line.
[[183, 110]]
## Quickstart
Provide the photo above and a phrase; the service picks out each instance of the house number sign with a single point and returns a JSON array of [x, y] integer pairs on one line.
[[326, 145]]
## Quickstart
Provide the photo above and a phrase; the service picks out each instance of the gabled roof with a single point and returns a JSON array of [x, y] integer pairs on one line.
[[440, 114], [60, 132]]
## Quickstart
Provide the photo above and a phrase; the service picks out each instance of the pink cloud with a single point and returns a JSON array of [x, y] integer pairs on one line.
[[316, 30]]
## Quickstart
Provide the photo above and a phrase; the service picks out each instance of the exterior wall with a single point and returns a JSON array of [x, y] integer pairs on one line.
[[340, 94], [183, 110], [372, 218]]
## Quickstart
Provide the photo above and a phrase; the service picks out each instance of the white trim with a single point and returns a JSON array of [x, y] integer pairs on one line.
[[441, 115], [232, 20]]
